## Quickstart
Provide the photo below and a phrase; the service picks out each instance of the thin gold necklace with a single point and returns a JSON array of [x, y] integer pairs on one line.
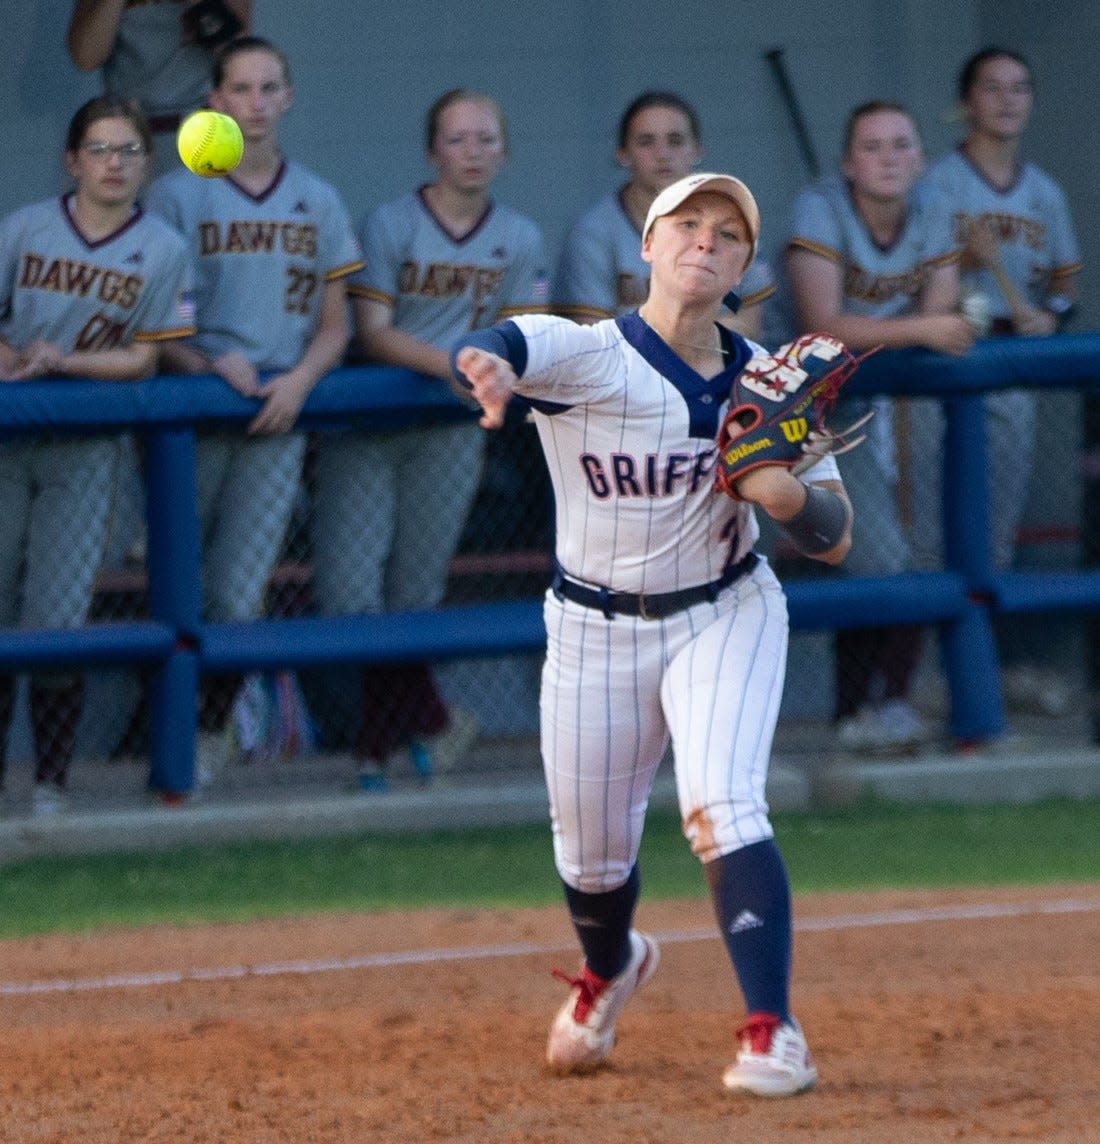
[[718, 349]]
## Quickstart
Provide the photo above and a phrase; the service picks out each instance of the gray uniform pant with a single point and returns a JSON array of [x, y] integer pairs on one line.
[[246, 490], [1010, 453], [55, 511], [389, 511]]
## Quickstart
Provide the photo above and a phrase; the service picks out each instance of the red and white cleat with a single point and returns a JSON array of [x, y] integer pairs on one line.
[[583, 1031], [773, 1061]]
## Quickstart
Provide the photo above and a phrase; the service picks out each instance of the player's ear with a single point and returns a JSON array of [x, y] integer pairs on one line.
[[622, 158], [215, 102], [71, 164]]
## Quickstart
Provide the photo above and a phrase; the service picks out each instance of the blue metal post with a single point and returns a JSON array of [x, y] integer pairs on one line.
[[175, 597], [172, 723], [970, 651]]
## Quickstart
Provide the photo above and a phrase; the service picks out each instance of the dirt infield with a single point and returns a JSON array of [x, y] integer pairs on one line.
[[939, 1016]]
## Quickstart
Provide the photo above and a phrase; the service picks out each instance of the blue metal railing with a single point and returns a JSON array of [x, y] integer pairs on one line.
[[179, 645]]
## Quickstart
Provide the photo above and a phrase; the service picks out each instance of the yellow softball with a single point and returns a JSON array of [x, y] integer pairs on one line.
[[209, 143]]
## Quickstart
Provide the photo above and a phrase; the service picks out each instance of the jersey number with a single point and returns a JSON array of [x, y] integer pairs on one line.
[[300, 285], [100, 332]]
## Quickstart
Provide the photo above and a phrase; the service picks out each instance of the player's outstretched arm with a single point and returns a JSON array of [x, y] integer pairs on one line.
[[134, 362], [488, 363], [9, 361], [93, 29]]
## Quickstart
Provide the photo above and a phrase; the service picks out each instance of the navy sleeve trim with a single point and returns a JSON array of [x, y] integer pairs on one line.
[[505, 339]]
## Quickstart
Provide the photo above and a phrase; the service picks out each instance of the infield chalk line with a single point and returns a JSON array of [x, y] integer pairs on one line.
[[526, 949]]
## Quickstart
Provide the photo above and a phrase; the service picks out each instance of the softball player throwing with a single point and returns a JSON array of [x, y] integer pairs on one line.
[[89, 287], [601, 272], [662, 622]]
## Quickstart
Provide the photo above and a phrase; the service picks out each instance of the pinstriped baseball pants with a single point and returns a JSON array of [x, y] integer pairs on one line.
[[616, 692]]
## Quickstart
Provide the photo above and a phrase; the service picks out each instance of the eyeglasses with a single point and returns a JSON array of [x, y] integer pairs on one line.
[[127, 152]]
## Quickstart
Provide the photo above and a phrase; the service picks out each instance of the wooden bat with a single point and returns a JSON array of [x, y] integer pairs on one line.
[[1008, 288], [1020, 309]]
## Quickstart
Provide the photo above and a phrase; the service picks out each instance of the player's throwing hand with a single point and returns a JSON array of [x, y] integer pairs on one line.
[[492, 382]]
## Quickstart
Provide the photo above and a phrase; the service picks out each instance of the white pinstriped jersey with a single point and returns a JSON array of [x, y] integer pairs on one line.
[[56, 286], [261, 261], [148, 63], [441, 286], [629, 430], [601, 272], [1031, 221]]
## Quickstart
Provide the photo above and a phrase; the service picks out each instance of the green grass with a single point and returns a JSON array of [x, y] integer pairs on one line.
[[873, 845]]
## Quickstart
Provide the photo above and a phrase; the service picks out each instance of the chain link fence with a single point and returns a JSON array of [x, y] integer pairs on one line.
[[259, 506], [883, 690]]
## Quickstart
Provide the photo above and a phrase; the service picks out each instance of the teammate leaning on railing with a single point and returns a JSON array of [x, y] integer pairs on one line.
[[90, 285]]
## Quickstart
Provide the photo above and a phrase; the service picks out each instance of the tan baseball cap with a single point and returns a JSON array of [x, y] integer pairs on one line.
[[733, 189]]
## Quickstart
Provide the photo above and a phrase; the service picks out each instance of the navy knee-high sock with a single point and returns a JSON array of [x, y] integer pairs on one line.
[[752, 901], [602, 923]]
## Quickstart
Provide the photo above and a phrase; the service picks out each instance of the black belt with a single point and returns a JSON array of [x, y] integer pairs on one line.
[[651, 607]]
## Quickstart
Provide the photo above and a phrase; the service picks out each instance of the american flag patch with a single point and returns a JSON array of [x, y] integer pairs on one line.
[[540, 288], [185, 307]]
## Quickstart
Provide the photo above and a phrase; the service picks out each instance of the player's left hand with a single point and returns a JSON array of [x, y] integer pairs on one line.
[[38, 359], [1033, 322], [237, 371], [283, 397], [492, 382], [777, 410]]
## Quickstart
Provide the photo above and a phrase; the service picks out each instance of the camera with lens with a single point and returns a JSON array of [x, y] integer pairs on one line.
[[209, 23]]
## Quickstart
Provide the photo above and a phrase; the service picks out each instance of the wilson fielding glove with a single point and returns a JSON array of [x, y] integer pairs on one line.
[[778, 405]]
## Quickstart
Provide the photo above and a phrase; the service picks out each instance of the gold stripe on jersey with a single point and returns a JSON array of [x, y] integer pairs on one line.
[[575, 312], [357, 291], [165, 335], [1068, 271], [344, 271], [511, 311], [799, 243], [758, 296]]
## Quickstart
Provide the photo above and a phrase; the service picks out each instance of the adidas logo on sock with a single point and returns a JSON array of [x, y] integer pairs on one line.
[[745, 920]]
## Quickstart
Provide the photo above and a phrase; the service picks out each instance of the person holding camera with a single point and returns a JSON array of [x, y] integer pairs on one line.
[[158, 53]]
